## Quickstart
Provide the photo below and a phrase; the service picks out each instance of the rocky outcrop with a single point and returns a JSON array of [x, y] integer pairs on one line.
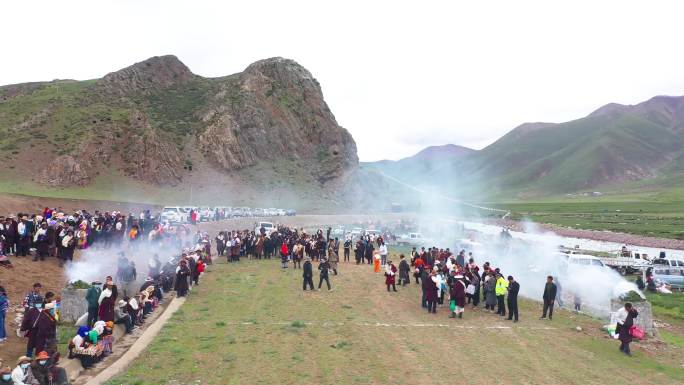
[[150, 156], [65, 171], [155, 73], [275, 110]]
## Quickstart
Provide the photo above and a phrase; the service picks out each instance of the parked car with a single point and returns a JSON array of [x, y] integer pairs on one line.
[[290, 213], [668, 262], [205, 214], [673, 276], [174, 214], [582, 260], [356, 232], [281, 212], [267, 226]]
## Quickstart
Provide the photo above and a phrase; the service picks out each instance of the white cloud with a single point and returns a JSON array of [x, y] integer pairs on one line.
[[398, 75]]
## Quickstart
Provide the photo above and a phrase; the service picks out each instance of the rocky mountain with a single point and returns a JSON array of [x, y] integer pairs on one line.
[[616, 145], [156, 124]]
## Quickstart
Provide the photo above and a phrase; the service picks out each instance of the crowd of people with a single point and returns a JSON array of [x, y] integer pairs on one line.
[[124, 298], [441, 273], [445, 278], [290, 245], [56, 233]]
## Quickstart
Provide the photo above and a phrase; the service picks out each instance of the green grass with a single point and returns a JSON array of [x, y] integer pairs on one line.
[[262, 329], [671, 338], [670, 305], [657, 218]]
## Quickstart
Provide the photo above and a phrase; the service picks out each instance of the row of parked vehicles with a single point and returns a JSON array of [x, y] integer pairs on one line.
[[183, 214], [667, 270]]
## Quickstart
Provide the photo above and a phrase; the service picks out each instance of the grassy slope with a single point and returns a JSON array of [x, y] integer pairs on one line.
[[252, 324], [657, 218]]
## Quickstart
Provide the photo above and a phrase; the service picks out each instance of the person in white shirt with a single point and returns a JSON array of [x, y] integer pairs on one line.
[[21, 375], [383, 254]]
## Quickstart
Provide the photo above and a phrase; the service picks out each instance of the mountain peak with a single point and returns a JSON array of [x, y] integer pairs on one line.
[[157, 72], [609, 109], [447, 150], [284, 71]]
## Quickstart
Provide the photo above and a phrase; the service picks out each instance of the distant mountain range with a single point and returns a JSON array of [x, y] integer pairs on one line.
[[614, 146]]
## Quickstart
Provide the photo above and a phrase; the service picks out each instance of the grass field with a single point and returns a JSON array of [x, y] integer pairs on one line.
[[663, 219], [251, 323]]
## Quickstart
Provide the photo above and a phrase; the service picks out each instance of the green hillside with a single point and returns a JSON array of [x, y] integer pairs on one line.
[[615, 147], [264, 134]]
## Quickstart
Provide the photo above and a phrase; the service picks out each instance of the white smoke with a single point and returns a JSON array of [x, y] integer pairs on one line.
[[96, 263], [530, 259]]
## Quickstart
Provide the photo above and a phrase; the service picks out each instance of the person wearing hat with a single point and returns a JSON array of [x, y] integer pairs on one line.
[[182, 274], [457, 296], [323, 267], [430, 288], [106, 300], [404, 270], [6, 376], [307, 274], [390, 274], [92, 297], [22, 375], [40, 368], [122, 317], [513, 289]]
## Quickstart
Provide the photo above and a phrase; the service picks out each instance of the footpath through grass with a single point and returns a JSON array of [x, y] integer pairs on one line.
[[250, 323]]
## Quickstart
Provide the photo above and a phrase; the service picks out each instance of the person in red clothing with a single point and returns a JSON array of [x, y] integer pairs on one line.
[[418, 263], [390, 273], [284, 253]]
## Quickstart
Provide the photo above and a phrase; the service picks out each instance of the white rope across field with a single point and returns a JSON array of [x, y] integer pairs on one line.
[[383, 324]]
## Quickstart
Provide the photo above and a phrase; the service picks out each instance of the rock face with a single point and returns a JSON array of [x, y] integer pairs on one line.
[[279, 114], [157, 122], [65, 171], [155, 73]]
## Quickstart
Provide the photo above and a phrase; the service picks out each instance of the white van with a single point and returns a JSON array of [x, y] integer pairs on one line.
[[174, 214], [584, 259], [267, 226]]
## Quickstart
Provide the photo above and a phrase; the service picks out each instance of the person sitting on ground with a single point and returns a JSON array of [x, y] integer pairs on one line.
[[56, 374], [6, 376], [40, 368], [640, 283], [22, 375], [122, 317]]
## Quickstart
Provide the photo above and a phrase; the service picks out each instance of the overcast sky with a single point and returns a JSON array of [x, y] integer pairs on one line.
[[398, 75]]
